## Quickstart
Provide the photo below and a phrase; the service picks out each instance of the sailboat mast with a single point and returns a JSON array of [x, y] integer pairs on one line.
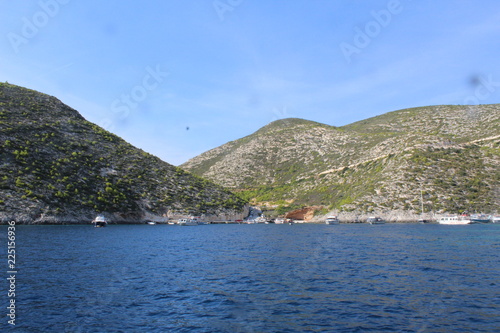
[[422, 201]]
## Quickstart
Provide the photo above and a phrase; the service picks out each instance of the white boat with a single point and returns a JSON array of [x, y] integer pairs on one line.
[[151, 222], [199, 220], [480, 218], [100, 221], [454, 220], [332, 220], [279, 221], [261, 219], [495, 219], [187, 222], [375, 220]]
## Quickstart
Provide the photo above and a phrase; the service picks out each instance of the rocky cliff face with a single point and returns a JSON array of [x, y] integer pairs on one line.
[[449, 153], [57, 167]]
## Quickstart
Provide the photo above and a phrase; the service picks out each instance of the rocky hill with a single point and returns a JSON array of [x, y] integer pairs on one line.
[[449, 155], [57, 167]]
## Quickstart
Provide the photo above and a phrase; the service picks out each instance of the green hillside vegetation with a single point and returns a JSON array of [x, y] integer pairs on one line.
[[451, 153], [55, 163]]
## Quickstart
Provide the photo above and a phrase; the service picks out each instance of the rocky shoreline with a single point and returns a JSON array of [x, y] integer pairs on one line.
[[397, 216], [85, 217]]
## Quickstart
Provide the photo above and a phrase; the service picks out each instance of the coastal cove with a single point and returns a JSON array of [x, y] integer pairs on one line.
[[57, 168], [233, 166], [256, 278]]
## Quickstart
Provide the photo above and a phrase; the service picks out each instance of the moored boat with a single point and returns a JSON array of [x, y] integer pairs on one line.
[[480, 218], [187, 222], [454, 220], [375, 220], [151, 222], [100, 221], [495, 219], [261, 219], [332, 220], [199, 220]]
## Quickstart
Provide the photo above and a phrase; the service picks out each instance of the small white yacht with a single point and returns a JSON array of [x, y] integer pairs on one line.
[[332, 220], [187, 222], [100, 221]]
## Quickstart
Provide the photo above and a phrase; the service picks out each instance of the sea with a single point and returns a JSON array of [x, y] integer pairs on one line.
[[254, 278]]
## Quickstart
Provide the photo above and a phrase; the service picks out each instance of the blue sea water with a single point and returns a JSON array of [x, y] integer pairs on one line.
[[255, 278]]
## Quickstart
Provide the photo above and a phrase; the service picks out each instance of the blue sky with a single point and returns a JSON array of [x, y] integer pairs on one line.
[[149, 70]]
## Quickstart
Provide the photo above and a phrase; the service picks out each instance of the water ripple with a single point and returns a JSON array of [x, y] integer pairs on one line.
[[259, 278]]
